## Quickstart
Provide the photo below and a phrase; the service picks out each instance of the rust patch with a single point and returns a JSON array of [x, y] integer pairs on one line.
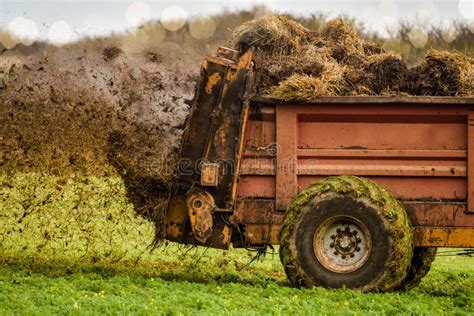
[[212, 81], [175, 219]]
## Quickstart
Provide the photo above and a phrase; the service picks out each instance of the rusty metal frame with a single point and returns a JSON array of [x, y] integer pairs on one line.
[[470, 163]]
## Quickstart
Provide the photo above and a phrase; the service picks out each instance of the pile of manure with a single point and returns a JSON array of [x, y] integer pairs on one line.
[[443, 74], [301, 65]]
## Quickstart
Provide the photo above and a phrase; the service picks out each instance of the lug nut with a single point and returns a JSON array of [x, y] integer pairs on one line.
[[336, 253], [331, 245], [352, 255], [343, 256], [333, 236], [354, 232], [357, 248], [338, 230]]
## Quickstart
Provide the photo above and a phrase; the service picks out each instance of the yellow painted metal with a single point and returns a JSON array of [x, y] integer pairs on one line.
[[176, 219], [462, 237], [200, 206]]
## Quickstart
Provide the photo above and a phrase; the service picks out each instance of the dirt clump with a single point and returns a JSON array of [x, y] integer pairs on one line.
[[110, 53]]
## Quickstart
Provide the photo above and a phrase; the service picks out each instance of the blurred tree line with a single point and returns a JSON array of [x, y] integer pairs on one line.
[[460, 36], [398, 41]]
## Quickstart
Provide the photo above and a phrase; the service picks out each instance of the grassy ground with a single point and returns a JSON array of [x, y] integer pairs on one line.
[[216, 282], [48, 266]]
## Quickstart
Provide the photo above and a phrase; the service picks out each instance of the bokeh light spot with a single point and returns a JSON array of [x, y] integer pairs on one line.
[[173, 18], [138, 13], [418, 36], [449, 32], [60, 33], [150, 35], [155, 32], [6, 40], [202, 27], [23, 31], [135, 41]]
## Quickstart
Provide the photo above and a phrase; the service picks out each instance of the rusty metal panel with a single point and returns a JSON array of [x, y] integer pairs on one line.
[[216, 123], [176, 219], [256, 211], [286, 139], [220, 237], [256, 186], [256, 234], [439, 214], [382, 135], [442, 219], [470, 163], [454, 237], [199, 121], [412, 188], [421, 213], [444, 237]]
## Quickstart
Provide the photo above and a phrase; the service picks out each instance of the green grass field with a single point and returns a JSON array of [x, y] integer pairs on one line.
[[48, 266]]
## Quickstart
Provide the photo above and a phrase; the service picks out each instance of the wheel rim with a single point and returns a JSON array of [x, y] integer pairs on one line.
[[342, 244]]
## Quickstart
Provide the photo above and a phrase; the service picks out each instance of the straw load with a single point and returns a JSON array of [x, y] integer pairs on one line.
[[301, 65]]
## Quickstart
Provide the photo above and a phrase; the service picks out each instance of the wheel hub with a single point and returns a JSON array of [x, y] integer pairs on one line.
[[342, 244]]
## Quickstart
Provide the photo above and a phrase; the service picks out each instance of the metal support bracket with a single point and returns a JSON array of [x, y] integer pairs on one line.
[[200, 208]]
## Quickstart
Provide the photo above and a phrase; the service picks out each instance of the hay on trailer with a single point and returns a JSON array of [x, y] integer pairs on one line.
[[307, 60], [386, 73], [443, 73], [274, 34], [338, 31], [336, 59], [306, 88]]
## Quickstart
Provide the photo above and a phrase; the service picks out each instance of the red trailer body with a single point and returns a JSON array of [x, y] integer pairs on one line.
[[353, 159], [419, 148]]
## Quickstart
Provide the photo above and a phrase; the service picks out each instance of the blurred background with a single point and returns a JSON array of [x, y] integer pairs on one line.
[[407, 27]]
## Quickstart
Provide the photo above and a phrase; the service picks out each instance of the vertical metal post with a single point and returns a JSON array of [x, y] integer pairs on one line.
[[470, 163], [286, 160]]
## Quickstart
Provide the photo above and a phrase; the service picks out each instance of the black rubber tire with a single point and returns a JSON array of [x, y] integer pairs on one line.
[[359, 198], [421, 262]]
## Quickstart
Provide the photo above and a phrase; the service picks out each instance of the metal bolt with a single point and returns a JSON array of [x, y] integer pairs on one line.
[[358, 240], [343, 256], [352, 255], [333, 236], [354, 232], [331, 245], [338, 230], [357, 248], [336, 253]]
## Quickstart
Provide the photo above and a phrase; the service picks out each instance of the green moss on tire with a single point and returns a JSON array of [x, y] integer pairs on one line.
[[386, 205]]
